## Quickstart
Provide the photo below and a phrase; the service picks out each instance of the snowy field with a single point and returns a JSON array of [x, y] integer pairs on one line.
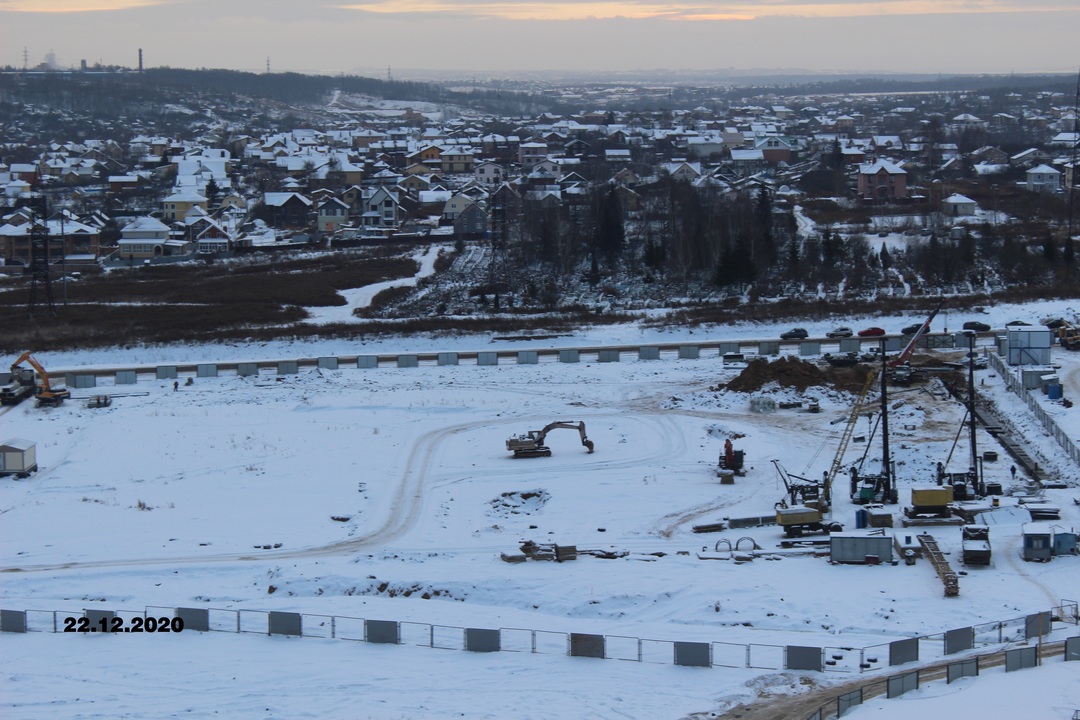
[[389, 494]]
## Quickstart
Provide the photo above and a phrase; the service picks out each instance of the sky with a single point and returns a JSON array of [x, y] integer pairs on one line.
[[496, 38]]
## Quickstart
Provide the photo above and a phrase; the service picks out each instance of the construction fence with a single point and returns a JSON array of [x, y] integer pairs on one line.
[[1016, 386], [522, 640], [894, 686]]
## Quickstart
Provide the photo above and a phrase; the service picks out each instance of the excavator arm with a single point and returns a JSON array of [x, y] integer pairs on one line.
[[45, 392], [532, 443], [579, 426]]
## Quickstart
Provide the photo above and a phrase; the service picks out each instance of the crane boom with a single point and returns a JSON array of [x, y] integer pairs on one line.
[[845, 437], [907, 351]]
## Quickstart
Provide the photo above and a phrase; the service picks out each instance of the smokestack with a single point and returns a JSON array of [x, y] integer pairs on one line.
[[140, 59]]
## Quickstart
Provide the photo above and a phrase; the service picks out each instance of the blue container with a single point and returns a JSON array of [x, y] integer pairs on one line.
[[1054, 392], [862, 519]]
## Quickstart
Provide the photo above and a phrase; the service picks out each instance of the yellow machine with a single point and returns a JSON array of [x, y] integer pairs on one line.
[[45, 393]]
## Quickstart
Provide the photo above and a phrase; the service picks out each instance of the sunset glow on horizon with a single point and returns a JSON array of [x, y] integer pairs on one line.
[[73, 6]]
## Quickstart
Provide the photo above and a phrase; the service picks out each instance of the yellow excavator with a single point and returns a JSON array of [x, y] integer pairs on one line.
[[532, 444], [45, 393]]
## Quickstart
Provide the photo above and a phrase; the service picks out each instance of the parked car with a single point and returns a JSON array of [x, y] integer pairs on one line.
[[977, 326], [871, 332], [912, 329], [840, 332], [1017, 323], [794, 334]]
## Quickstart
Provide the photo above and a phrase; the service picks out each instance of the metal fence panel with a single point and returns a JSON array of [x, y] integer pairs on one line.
[[693, 654], [800, 657], [197, 619], [99, 620], [288, 367], [125, 377], [1037, 624], [446, 637], [349, 628], [382, 631], [1021, 658], [569, 356], [482, 640], [44, 620], [528, 357], [587, 645], [408, 361], [607, 356], [657, 651], [166, 372], [320, 626], [808, 348], [850, 345], [205, 370], [648, 352], [900, 684], [903, 651], [327, 363], [487, 358], [284, 623], [516, 640], [415, 634], [962, 669], [223, 620], [1072, 648], [13, 621], [619, 647], [959, 640], [729, 655], [689, 352], [254, 621], [770, 347], [766, 657], [554, 643], [247, 369], [367, 362], [447, 358], [845, 702]]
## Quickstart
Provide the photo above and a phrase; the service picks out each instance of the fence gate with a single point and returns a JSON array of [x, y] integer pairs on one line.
[[1021, 658], [900, 684], [962, 669]]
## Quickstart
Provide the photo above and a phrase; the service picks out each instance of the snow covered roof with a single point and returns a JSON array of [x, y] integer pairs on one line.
[[879, 166]]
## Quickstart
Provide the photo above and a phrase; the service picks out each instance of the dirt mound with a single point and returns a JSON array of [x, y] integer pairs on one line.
[[795, 373]]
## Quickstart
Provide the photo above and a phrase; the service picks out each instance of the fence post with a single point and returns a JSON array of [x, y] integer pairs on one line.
[[639, 649], [333, 626]]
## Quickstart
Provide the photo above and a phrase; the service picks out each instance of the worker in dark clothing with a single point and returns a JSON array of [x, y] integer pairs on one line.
[[1013, 471], [176, 385]]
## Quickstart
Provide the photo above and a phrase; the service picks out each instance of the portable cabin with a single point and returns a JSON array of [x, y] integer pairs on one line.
[[18, 457], [1038, 543], [861, 548]]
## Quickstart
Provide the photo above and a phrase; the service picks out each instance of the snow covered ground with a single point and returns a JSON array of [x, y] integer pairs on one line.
[[169, 498]]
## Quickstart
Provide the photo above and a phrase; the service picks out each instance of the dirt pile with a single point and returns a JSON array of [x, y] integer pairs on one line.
[[799, 374]]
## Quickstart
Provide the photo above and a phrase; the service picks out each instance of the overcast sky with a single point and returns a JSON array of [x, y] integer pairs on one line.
[[492, 38]]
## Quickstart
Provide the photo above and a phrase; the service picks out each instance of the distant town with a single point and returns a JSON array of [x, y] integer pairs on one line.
[[800, 192]]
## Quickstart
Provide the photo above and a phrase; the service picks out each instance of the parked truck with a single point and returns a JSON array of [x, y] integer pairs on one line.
[[800, 520]]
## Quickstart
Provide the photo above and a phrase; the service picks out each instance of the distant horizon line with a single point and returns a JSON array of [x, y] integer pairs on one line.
[[466, 75]]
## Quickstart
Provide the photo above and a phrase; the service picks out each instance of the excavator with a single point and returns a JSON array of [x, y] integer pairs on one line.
[[532, 444], [45, 393]]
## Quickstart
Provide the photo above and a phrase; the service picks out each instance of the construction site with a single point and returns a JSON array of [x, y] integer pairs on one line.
[[754, 502]]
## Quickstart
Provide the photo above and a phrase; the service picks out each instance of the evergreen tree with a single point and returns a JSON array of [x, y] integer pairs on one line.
[[884, 257], [1049, 249], [1068, 252]]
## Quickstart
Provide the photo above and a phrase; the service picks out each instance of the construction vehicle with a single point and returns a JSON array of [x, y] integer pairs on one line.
[[1068, 336], [20, 387], [45, 393], [808, 503], [975, 544], [932, 500], [732, 460], [532, 444]]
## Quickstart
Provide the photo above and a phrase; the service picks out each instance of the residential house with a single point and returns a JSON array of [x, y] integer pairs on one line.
[[775, 149], [471, 222], [331, 214], [175, 206], [1043, 178], [382, 209], [286, 209], [882, 180], [531, 153], [455, 205], [146, 238], [489, 173], [457, 161], [957, 205]]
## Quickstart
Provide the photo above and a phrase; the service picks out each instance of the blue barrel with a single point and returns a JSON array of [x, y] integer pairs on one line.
[[861, 519], [1054, 391]]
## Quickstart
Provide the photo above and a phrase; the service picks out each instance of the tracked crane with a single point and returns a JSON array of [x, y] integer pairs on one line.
[[531, 444], [45, 393]]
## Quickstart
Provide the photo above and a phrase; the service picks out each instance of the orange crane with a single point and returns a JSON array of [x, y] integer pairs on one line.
[[45, 393]]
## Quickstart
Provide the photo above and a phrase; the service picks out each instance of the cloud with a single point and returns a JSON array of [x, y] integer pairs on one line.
[[73, 6], [690, 10]]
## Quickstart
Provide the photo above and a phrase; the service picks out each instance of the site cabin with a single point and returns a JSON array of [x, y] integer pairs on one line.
[[872, 548], [18, 457]]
